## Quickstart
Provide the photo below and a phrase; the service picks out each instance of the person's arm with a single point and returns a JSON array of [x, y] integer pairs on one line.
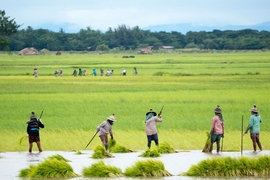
[[249, 125]]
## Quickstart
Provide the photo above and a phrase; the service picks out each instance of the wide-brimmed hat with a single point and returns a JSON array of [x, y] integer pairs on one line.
[[254, 109], [111, 118], [151, 111], [217, 109]]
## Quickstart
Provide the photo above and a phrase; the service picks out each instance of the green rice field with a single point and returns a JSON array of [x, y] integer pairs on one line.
[[189, 85]]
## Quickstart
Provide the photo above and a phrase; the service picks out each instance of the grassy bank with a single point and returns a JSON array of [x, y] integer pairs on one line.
[[188, 85]]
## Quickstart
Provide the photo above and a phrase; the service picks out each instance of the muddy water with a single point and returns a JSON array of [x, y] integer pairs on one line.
[[12, 162]]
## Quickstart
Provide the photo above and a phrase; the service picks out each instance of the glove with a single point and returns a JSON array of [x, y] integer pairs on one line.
[[111, 136]]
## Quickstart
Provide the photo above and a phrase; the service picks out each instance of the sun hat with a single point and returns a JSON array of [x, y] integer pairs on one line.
[[111, 118], [254, 109], [217, 109], [151, 111]]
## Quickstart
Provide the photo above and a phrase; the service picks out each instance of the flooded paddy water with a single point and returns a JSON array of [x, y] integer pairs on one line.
[[176, 163]]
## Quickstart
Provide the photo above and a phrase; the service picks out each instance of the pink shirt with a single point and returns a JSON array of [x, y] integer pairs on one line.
[[217, 125], [150, 125]]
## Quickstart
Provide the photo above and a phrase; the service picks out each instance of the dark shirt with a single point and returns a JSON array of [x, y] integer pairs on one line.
[[33, 127]]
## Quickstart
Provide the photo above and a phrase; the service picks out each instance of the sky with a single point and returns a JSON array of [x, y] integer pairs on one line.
[[102, 14]]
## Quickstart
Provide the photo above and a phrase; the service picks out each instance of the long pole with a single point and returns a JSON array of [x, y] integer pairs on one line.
[[90, 140], [242, 135]]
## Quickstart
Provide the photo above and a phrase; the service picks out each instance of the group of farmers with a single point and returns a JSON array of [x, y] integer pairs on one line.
[[105, 129]]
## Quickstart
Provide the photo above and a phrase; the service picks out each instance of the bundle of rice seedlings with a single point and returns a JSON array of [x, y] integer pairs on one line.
[[115, 148], [149, 168], [207, 143], [50, 168], [99, 169], [232, 167], [100, 153], [78, 152], [58, 157], [150, 153], [164, 148], [263, 166]]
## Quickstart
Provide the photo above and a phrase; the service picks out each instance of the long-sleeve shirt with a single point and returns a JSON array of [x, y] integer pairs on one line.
[[217, 125], [150, 125], [105, 128], [254, 123]]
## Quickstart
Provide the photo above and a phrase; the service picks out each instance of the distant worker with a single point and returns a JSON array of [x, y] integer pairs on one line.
[[84, 72], [101, 72], [104, 129], [124, 72], [35, 72], [80, 72], [135, 71], [55, 73], [33, 126], [150, 127], [74, 72], [94, 72], [254, 127], [61, 72]]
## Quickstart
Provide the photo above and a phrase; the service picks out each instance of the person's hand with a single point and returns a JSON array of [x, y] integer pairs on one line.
[[111, 136], [222, 135], [246, 132], [40, 120], [98, 129]]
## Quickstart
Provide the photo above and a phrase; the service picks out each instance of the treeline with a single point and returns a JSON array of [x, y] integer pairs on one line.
[[125, 38]]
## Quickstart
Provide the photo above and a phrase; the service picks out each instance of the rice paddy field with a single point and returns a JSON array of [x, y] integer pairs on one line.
[[189, 85]]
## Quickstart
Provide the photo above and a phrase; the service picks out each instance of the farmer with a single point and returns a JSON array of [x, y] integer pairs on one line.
[[150, 127], [94, 72], [124, 72], [135, 71], [104, 129], [217, 129], [35, 72], [254, 127], [74, 72], [61, 72], [80, 72], [33, 126]]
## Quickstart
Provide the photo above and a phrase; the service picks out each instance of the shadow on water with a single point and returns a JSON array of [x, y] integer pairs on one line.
[[176, 163]]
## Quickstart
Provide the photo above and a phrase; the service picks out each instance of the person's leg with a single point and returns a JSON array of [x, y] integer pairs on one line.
[[213, 140], [253, 138], [149, 139], [258, 141], [218, 142], [39, 146], [30, 147], [155, 137], [104, 140], [30, 140]]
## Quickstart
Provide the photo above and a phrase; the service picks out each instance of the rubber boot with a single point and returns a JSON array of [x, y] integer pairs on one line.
[[211, 148], [218, 147]]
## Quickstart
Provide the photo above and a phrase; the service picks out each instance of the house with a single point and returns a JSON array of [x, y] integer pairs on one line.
[[166, 47]]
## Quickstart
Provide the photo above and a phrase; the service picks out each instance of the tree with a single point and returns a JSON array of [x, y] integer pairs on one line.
[[7, 28]]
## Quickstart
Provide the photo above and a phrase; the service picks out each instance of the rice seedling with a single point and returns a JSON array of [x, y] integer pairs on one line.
[[149, 168], [78, 152], [164, 148], [207, 143], [58, 157], [99, 169], [231, 167], [151, 153], [100, 153], [53, 167], [115, 148]]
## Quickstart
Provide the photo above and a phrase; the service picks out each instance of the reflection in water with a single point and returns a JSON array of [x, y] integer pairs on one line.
[[12, 162]]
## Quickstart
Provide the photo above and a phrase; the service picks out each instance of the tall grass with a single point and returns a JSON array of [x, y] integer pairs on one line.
[[74, 106]]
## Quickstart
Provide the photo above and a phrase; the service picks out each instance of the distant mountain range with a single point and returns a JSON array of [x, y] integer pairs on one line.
[[185, 27], [182, 27]]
